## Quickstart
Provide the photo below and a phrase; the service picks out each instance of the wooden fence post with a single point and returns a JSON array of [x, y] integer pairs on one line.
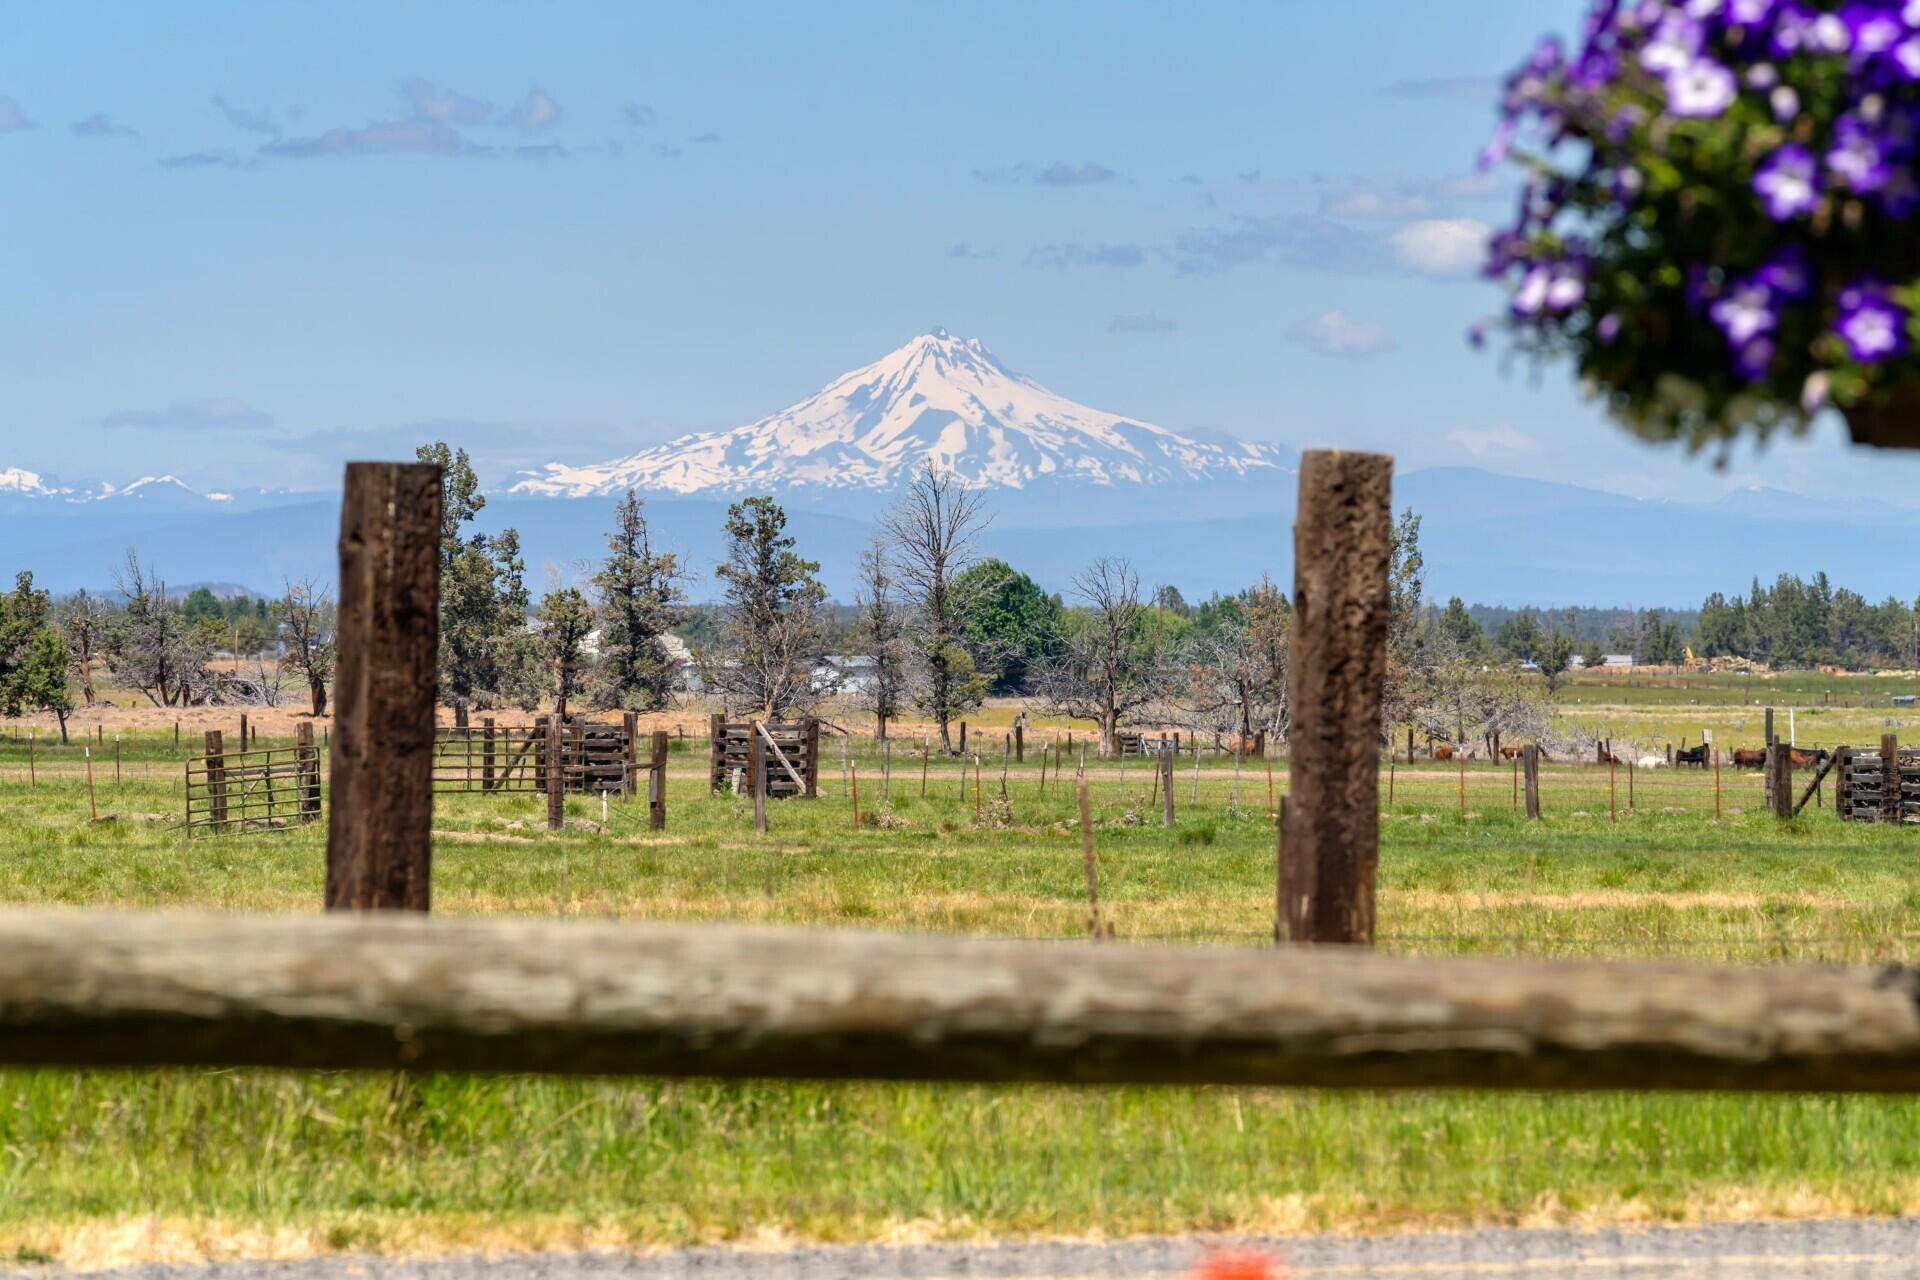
[[1780, 779], [379, 830], [1166, 776], [757, 775], [1530, 757], [554, 750], [486, 753], [308, 758], [1342, 540], [716, 750], [1892, 804], [1019, 743], [630, 755], [657, 783], [812, 774]]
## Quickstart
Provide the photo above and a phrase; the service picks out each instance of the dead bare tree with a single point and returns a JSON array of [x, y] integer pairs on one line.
[[1114, 659], [152, 649], [880, 636], [933, 527], [307, 620], [82, 619]]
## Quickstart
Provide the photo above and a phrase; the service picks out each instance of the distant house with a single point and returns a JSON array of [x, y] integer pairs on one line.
[[1617, 660]]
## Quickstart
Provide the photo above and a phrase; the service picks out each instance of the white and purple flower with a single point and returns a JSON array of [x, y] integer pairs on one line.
[[1873, 325], [1788, 183], [1858, 156], [1551, 288], [1700, 89]]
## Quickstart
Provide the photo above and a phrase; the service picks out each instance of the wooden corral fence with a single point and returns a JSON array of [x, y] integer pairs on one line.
[[1868, 790], [267, 789], [592, 758], [787, 754]]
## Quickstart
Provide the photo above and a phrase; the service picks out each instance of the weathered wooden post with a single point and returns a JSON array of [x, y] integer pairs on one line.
[[1342, 541], [963, 737], [757, 775], [657, 783], [554, 748], [1892, 803], [1166, 777], [244, 740], [812, 774], [217, 780], [1530, 758], [1780, 779], [1019, 743], [629, 754], [716, 750], [308, 760], [486, 753], [379, 843]]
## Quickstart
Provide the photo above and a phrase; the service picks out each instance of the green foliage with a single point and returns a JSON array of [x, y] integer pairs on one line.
[[564, 619], [1009, 619], [486, 655], [33, 654], [1806, 622], [640, 600], [775, 632]]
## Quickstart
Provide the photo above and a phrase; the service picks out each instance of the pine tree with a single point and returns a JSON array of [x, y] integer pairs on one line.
[[485, 653], [33, 655], [564, 621], [640, 599], [774, 634]]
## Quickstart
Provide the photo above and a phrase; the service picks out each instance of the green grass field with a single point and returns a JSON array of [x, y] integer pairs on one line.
[[107, 1166]]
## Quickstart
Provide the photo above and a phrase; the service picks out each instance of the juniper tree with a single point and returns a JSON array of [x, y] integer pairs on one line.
[[33, 655], [640, 598], [485, 656], [83, 619], [150, 647], [774, 633], [564, 621]]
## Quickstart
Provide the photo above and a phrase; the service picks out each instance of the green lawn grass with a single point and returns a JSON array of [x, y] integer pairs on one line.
[[103, 1166]]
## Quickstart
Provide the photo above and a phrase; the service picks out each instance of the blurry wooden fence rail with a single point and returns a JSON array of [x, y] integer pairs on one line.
[[771, 759], [392, 991], [267, 789]]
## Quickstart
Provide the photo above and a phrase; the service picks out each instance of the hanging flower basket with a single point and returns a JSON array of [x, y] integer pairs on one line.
[[1718, 224]]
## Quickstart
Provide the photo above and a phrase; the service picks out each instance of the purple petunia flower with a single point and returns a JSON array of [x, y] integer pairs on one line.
[[1608, 330], [1873, 326], [1749, 13], [1675, 43], [1701, 88], [1784, 102], [1788, 275], [1905, 58], [1911, 13], [1871, 28], [1826, 33], [1858, 156], [1549, 289], [1745, 313], [1790, 22], [1787, 182], [1752, 359]]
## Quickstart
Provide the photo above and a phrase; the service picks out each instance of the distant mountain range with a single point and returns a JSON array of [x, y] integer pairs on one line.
[[1066, 483]]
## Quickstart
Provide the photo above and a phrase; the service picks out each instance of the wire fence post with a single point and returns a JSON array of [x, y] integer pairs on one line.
[[1892, 803], [1530, 760], [1166, 776], [757, 775]]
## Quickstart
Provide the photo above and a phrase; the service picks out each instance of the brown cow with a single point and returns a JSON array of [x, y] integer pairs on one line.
[[1803, 759], [1512, 753], [1441, 751], [1749, 757]]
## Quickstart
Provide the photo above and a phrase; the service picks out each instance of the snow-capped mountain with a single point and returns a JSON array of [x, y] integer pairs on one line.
[[939, 400], [20, 482]]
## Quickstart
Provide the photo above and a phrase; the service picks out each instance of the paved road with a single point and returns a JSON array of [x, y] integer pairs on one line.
[[1886, 1250]]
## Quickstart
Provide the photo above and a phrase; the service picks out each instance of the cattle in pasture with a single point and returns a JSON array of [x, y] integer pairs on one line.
[[1749, 757], [1651, 762], [1608, 757], [1804, 759], [1512, 753], [1441, 751], [1697, 757]]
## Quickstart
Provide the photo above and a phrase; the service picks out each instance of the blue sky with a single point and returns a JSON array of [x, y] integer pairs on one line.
[[244, 242]]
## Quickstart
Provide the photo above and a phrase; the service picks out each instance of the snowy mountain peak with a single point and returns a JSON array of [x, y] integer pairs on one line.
[[28, 483], [940, 400]]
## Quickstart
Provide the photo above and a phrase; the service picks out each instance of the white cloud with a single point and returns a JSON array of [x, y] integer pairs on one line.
[[1337, 334], [1492, 442], [1445, 248], [537, 114]]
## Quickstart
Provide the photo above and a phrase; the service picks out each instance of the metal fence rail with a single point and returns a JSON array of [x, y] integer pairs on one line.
[[269, 789]]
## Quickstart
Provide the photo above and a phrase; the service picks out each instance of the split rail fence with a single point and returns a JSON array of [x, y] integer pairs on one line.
[[399, 991]]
